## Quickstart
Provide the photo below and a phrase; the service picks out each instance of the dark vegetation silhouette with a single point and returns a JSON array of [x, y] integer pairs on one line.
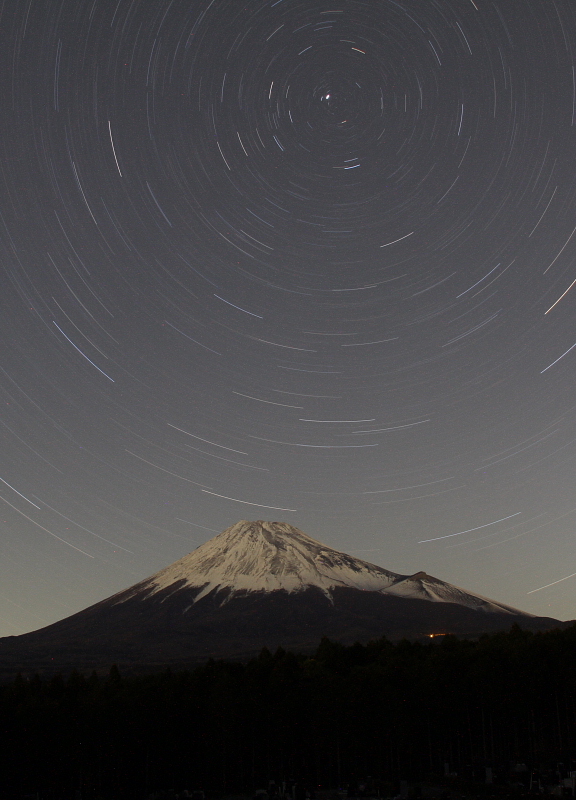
[[390, 711]]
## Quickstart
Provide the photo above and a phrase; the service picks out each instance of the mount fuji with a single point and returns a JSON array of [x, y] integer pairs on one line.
[[256, 584]]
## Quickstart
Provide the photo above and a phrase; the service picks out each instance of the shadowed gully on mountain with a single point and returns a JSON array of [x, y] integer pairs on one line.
[[256, 584]]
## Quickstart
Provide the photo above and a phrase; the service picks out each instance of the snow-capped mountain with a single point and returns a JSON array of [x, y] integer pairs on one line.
[[256, 584], [274, 556]]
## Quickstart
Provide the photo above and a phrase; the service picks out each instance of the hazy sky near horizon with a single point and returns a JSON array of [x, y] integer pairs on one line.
[[308, 261]]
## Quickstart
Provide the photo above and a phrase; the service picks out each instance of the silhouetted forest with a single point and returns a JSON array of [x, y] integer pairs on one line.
[[391, 712]]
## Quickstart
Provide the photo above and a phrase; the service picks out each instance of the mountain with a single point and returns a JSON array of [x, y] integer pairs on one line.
[[273, 556], [256, 584]]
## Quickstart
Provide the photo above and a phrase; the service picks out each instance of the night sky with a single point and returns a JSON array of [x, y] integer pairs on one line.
[[291, 260]]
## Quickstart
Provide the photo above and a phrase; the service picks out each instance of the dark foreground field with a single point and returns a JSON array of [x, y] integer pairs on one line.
[[374, 716]]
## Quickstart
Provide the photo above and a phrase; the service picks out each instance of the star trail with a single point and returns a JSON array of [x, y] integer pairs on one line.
[[307, 257]]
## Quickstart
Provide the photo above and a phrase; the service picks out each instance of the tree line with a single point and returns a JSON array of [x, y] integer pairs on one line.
[[391, 712]]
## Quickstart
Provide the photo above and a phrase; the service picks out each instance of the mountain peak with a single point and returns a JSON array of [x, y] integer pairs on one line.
[[267, 556]]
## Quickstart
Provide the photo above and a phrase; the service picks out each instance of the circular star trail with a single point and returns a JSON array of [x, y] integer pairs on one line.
[[307, 261]]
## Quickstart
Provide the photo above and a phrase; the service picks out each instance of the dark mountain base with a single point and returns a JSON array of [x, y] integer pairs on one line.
[[168, 629]]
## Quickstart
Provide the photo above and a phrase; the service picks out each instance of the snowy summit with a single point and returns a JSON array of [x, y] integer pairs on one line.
[[266, 557]]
